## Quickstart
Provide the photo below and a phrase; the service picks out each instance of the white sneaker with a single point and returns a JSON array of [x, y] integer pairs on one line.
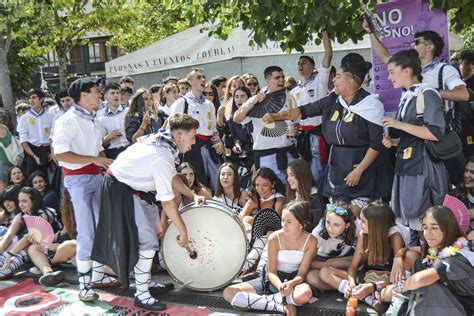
[[35, 270]]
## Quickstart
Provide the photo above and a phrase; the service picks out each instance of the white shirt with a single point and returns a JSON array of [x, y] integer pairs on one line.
[[110, 121], [273, 135], [311, 91], [35, 128], [165, 108], [330, 246], [57, 114], [451, 77], [205, 113], [145, 167], [76, 134]]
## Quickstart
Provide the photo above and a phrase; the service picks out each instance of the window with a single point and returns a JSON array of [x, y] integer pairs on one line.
[[51, 59], [75, 55], [112, 52], [94, 52]]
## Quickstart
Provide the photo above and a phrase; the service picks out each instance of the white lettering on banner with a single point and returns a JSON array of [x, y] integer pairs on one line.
[[393, 17]]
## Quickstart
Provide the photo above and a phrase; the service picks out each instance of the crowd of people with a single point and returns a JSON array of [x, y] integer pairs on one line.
[[362, 200]]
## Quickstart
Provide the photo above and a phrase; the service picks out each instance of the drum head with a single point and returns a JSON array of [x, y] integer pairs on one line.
[[217, 236]]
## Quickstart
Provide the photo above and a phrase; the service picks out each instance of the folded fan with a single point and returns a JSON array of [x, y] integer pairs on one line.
[[459, 210], [40, 228], [272, 103]]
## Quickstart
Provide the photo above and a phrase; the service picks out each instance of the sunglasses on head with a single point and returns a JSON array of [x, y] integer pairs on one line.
[[211, 94], [336, 209]]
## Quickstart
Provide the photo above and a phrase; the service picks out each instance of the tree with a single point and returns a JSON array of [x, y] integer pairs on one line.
[[22, 68], [143, 23], [60, 24], [294, 23], [14, 20]]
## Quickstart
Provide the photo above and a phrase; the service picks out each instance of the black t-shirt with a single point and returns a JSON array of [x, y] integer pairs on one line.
[[458, 275]]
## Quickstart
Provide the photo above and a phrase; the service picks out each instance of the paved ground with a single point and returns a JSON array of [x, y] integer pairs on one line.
[[330, 303]]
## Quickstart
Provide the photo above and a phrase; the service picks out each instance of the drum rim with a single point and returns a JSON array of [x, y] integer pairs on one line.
[[230, 212]]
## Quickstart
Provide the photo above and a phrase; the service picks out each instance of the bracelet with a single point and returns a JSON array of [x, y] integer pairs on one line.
[[10, 254]]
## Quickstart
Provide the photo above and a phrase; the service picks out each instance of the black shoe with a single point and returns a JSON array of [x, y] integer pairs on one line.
[[157, 306], [52, 278], [161, 288]]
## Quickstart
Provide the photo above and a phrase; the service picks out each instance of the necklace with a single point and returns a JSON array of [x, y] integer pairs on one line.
[[446, 252]]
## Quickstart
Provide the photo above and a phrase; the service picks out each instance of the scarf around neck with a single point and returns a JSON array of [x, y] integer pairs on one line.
[[162, 138]]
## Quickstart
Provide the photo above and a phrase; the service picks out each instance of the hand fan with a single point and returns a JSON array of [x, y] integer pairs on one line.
[[371, 20], [40, 228], [273, 103], [459, 210], [275, 129], [228, 109]]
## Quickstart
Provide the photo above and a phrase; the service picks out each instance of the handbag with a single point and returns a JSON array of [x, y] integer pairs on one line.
[[448, 146], [14, 151]]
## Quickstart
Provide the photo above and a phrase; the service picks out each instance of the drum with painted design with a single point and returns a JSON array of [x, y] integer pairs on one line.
[[216, 233]]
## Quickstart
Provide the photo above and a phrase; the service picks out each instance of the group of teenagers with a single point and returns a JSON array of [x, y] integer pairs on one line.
[[322, 155]]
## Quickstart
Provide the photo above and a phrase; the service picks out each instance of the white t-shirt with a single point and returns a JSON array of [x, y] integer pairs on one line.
[[204, 112], [311, 91], [146, 167], [334, 247], [35, 129], [76, 134], [273, 135], [451, 77]]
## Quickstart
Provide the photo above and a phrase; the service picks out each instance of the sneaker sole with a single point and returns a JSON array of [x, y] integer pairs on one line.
[[51, 279]]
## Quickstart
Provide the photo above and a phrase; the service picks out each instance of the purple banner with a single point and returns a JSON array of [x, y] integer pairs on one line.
[[399, 22]]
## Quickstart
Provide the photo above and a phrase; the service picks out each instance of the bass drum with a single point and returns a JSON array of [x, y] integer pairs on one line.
[[216, 233]]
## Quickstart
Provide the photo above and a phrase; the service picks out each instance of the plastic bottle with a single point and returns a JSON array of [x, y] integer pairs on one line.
[[351, 307]]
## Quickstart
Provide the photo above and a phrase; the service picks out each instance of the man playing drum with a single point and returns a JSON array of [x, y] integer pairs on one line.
[[127, 232]]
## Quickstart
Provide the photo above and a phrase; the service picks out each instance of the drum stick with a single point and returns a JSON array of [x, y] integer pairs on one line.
[[191, 252]]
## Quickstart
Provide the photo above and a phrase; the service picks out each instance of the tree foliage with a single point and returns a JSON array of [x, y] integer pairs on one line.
[[144, 22], [22, 68], [295, 22]]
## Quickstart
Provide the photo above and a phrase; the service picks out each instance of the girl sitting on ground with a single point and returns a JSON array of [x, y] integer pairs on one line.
[[290, 252], [13, 256], [301, 186], [228, 187], [446, 255], [336, 235], [192, 180], [369, 273], [265, 192]]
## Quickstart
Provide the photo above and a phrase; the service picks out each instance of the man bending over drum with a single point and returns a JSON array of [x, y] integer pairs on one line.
[[126, 236]]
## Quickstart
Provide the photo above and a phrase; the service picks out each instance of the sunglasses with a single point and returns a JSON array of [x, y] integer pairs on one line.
[[253, 84], [211, 94], [420, 41], [336, 209]]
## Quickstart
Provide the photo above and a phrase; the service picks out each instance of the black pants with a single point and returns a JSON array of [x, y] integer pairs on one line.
[[42, 152]]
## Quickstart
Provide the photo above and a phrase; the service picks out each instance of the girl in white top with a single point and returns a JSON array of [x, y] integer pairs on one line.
[[228, 187], [336, 235], [290, 252]]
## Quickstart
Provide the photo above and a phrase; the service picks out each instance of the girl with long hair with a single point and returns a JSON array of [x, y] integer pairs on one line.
[[192, 180], [228, 189], [142, 118], [446, 258], [369, 272], [282, 285], [336, 234], [266, 191], [301, 186]]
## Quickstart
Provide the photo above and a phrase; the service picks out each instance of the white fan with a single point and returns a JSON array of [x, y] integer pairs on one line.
[[40, 228]]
